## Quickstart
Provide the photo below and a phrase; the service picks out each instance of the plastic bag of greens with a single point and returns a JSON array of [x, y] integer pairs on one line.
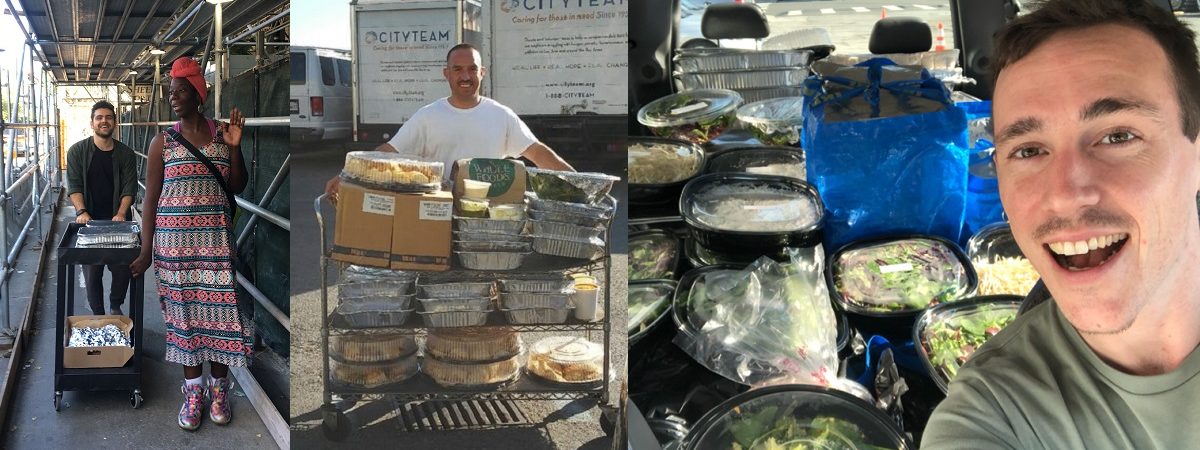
[[768, 324]]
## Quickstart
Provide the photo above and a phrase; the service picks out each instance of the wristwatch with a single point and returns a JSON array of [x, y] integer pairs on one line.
[[80, 212]]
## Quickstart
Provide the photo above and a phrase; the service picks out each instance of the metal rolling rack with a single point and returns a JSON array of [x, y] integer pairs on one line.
[[420, 387]]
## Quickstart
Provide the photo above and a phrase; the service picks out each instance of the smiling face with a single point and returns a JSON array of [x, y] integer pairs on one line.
[[464, 70], [103, 122], [183, 97], [1096, 175]]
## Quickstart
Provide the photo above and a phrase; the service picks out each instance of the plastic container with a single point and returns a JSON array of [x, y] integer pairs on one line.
[[435, 305], [993, 242], [455, 290], [536, 285], [795, 416], [776, 121], [659, 167], [571, 218], [459, 376], [587, 301], [590, 250], [743, 213], [744, 79], [760, 94], [391, 171], [525, 300], [534, 316], [468, 236], [493, 246], [949, 333], [491, 260], [507, 211], [721, 60], [778, 161], [567, 359], [696, 116], [575, 187], [999, 263], [371, 348], [698, 256], [372, 375], [110, 235], [472, 345], [465, 207], [649, 303], [560, 230], [492, 225], [653, 254], [355, 273], [475, 189], [373, 313]]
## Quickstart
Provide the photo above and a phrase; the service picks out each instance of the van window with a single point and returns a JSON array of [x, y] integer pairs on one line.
[[327, 70], [343, 67], [299, 68]]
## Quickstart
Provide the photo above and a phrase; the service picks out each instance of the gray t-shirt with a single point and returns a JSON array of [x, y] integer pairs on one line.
[[1037, 385]]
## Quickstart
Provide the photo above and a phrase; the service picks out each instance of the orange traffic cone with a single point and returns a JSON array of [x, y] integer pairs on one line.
[[883, 14], [941, 38]]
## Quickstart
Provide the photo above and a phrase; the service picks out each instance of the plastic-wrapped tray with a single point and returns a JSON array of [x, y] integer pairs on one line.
[[455, 375], [468, 236], [576, 187], [455, 290], [371, 348], [536, 285], [379, 287], [779, 161], [565, 217], [453, 319], [124, 240], [560, 230], [602, 211], [526, 300], [533, 316], [356, 273], [566, 359], [373, 313], [472, 345], [723, 60], [392, 172], [497, 226], [748, 79], [436, 305], [590, 250], [493, 246], [776, 121], [491, 260], [372, 375]]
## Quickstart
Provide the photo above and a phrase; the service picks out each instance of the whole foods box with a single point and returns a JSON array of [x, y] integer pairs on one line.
[[507, 177], [388, 229], [96, 357]]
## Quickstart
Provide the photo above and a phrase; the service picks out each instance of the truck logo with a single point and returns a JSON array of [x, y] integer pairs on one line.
[[385, 37], [372, 37]]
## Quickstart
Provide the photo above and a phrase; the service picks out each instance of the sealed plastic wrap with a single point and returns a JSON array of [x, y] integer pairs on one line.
[[778, 161], [370, 348], [600, 212], [887, 150], [372, 375], [887, 276], [472, 345], [465, 376], [575, 187], [114, 236], [767, 324], [390, 171], [998, 261], [697, 60], [948, 334], [776, 121], [696, 116], [653, 254]]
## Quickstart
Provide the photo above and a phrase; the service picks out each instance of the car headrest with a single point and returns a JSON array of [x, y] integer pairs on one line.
[[900, 35], [734, 21]]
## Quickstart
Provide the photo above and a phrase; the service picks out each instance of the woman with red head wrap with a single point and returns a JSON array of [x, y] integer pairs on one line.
[[188, 218]]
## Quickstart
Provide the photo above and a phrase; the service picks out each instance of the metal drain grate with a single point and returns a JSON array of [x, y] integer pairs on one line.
[[459, 415]]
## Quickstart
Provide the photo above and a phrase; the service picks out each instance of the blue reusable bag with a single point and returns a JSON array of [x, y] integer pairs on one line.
[[885, 175]]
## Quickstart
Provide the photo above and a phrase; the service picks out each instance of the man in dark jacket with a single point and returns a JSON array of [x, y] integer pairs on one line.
[[101, 182]]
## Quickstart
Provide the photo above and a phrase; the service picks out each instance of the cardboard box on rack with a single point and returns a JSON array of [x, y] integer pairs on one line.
[[507, 177], [96, 357], [363, 231], [422, 232]]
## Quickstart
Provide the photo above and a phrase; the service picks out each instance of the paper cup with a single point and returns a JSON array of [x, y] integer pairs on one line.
[[475, 189], [586, 299]]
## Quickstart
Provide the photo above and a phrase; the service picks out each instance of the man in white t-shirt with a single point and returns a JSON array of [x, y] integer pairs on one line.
[[466, 124]]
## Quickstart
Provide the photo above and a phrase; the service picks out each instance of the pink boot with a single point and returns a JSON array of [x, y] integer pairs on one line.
[[219, 410], [193, 407]]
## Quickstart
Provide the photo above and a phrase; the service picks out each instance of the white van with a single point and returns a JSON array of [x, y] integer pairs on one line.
[[320, 104]]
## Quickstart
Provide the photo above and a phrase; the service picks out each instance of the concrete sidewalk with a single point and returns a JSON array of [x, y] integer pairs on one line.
[[105, 419]]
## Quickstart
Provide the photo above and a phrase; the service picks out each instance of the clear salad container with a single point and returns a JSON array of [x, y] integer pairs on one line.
[[776, 121], [472, 345], [566, 359], [434, 305], [455, 289], [575, 187], [391, 171], [744, 79], [491, 225], [659, 167], [525, 300], [746, 213], [373, 313], [779, 161], [371, 348], [796, 417], [950, 333], [883, 277], [697, 116], [462, 376], [374, 374], [999, 263], [653, 255], [723, 60], [649, 302]]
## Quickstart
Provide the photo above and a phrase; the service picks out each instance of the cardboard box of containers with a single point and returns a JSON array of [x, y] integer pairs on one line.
[[387, 229]]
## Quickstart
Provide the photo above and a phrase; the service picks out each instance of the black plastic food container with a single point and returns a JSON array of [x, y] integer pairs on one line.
[[750, 242], [665, 192], [954, 310], [745, 160], [655, 237]]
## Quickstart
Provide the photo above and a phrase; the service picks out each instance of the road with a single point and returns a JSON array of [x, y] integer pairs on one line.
[[559, 425]]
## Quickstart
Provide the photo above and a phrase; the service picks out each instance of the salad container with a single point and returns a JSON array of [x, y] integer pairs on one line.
[[778, 161], [373, 374], [776, 121], [566, 360], [998, 261], [949, 333], [795, 417], [744, 79], [659, 167], [698, 256], [696, 116], [575, 187], [371, 348], [466, 376], [743, 213], [722, 60], [653, 255], [373, 313], [649, 302]]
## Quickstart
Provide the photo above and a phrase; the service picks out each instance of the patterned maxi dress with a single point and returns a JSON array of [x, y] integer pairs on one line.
[[192, 243]]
